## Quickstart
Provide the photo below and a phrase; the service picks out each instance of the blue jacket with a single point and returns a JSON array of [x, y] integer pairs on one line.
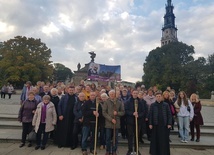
[[78, 111]]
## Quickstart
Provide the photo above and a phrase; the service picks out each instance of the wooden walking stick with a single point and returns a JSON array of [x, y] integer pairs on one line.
[[114, 132], [136, 125], [114, 128], [95, 134]]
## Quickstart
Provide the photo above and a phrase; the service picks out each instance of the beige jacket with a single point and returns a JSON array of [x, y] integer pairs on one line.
[[51, 117], [108, 110]]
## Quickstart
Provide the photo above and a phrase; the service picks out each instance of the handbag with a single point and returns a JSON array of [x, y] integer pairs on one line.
[[32, 136], [172, 109]]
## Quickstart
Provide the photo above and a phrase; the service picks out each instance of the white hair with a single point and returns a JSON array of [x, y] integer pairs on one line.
[[111, 91], [104, 95], [54, 89]]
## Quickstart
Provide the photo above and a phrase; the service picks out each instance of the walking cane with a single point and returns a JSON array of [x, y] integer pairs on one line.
[[136, 125], [95, 135], [114, 128], [114, 132]]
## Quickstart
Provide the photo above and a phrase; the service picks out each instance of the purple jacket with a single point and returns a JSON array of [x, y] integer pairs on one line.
[[26, 111]]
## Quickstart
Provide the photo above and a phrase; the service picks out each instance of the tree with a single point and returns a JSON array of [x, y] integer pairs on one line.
[[24, 59], [208, 84], [61, 73], [166, 66]]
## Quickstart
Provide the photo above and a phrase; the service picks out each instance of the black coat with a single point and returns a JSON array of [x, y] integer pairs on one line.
[[87, 112], [153, 114], [130, 109]]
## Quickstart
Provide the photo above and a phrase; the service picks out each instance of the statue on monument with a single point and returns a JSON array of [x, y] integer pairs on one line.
[[78, 66], [93, 55]]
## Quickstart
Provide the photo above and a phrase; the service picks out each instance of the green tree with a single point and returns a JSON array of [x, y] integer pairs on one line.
[[166, 66], [208, 84], [24, 59], [61, 73]]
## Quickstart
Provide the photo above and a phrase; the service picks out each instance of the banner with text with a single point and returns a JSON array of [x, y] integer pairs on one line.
[[104, 72]]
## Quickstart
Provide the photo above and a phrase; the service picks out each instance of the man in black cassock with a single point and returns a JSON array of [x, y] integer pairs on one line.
[[160, 121], [66, 118]]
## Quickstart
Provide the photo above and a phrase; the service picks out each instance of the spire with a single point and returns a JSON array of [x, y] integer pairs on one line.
[[169, 2], [169, 18]]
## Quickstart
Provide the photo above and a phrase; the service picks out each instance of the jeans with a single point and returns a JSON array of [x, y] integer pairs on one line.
[[183, 122], [41, 130], [85, 133], [109, 134]]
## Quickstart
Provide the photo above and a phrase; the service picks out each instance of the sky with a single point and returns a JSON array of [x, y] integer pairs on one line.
[[121, 32]]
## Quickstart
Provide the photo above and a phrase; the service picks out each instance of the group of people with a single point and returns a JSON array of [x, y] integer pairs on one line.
[[73, 115], [7, 90]]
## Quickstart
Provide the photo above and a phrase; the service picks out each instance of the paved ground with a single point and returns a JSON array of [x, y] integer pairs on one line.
[[11, 107], [13, 149]]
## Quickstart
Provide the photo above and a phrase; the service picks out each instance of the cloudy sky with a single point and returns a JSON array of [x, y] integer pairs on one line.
[[121, 32]]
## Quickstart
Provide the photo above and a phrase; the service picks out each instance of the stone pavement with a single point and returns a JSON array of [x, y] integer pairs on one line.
[[13, 149]]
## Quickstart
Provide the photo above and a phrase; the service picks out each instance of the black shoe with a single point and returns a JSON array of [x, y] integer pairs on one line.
[[142, 141], [92, 152], [42, 147], [129, 153], [192, 139], [21, 145], [197, 140], [73, 147], [59, 146], [29, 145], [37, 147]]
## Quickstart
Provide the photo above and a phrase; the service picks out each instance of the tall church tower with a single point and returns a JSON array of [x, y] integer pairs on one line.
[[169, 30]]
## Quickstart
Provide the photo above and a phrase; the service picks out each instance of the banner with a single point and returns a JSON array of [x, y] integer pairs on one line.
[[104, 72]]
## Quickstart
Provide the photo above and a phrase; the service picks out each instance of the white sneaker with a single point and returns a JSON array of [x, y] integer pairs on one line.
[[182, 141], [185, 141]]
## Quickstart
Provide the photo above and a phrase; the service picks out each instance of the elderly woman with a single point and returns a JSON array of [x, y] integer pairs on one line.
[[26, 113], [44, 121], [197, 119], [101, 123]]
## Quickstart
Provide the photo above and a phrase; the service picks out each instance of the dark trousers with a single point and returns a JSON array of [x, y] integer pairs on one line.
[[39, 141], [26, 129], [132, 134], [3, 95], [9, 95], [142, 130], [148, 130], [76, 130], [102, 136], [198, 133], [123, 127]]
